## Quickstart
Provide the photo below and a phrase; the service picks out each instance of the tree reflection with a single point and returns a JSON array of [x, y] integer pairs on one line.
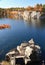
[[38, 23]]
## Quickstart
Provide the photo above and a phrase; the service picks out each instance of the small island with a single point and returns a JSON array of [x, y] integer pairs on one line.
[[3, 26]]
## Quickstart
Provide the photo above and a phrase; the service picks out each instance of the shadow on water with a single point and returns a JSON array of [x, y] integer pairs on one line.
[[34, 63]]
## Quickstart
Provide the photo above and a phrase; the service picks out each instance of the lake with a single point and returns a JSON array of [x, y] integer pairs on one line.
[[21, 31]]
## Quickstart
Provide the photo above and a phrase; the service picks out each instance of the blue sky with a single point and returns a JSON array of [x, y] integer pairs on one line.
[[19, 3]]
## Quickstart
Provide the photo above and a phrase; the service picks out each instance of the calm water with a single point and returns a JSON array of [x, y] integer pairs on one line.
[[21, 31]]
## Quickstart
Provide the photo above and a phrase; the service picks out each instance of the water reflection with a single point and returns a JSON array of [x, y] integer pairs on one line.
[[36, 23]]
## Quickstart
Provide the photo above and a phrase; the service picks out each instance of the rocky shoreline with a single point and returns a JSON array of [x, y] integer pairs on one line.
[[25, 54], [3, 26]]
